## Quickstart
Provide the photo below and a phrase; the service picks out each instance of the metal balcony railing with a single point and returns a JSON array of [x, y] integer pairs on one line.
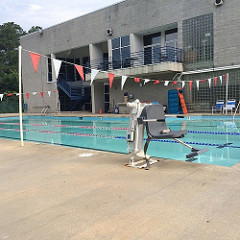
[[136, 59]]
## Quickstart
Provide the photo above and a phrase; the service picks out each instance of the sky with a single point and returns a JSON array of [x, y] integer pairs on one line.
[[46, 13]]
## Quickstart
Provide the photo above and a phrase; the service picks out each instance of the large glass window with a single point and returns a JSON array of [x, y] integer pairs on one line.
[[121, 52], [198, 42], [152, 48]]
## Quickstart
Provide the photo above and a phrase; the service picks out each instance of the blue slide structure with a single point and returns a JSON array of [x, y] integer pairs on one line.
[[174, 105]]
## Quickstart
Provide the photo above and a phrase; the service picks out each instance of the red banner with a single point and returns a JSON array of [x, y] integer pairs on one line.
[[80, 71], [35, 60], [111, 77]]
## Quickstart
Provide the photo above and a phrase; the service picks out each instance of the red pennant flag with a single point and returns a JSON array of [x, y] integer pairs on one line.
[[215, 81], [111, 77], [190, 85], [10, 94], [137, 80], [226, 77], [156, 82], [54, 91], [35, 60], [203, 80], [41, 94], [27, 94], [174, 82], [80, 71]]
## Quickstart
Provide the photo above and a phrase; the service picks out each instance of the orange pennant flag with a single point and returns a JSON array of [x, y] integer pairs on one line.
[[80, 71], [35, 60], [111, 77], [215, 81], [190, 85]]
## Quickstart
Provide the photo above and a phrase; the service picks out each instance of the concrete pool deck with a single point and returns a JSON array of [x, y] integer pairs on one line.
[[53, 192]]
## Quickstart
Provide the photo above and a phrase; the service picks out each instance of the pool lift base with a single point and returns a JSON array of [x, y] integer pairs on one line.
[[135, 137]]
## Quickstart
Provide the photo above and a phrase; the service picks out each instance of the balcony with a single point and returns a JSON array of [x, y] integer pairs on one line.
[[142, 58]]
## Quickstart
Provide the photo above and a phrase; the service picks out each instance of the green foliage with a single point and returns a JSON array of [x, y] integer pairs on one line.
[[10, 34]]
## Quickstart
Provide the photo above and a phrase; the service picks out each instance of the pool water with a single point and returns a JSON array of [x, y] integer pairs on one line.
[[220, 135]]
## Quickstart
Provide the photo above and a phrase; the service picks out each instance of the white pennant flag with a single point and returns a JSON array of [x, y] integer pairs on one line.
[[94, 73], [1, 97], [146, 81], [57, 65], [49, 93], [209, 82], [197, 83], [124, 78], [34, 93], [183, 84], [17, 94], [220, 79], [166, 83]]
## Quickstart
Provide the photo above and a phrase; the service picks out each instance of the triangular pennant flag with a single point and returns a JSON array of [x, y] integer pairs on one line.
[[27, 94], [10, 94], [174, 82], [1, 96], [80, 71], [226, 78], [197, 83], [111, 77], [203, 80], [17, 94], [156, 82], [41, 94], [124, 78], [209, 82], [94, 73], [190, 85], [220, 79], [57, 65], [54, 91], [146, 81], [49, 93], [35, 60], [137, 80], [34, 93], [215, 81], [166, 83], [183, 84]]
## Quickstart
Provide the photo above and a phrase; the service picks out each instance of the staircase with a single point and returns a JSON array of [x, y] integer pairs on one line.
[[77, 94]]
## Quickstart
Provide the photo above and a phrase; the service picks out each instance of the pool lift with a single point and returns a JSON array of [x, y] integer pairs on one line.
[[152, 117]]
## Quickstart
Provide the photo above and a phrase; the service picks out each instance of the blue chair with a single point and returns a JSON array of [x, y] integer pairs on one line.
[[218, 107]]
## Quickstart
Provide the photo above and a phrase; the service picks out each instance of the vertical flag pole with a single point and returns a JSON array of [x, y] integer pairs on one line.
[[20, 92], [226, 100]]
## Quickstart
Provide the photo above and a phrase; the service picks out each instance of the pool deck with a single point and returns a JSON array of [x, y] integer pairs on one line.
[[53, 192]]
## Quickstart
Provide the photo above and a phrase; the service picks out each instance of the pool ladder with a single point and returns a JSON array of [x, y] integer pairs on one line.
[[236, 110], [44, 110]]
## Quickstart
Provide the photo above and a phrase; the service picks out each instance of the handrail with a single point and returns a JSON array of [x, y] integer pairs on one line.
[[44, 110], [236, 110]]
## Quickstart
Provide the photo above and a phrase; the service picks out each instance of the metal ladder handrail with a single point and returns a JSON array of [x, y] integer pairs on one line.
[[236, 110], [44, 110]]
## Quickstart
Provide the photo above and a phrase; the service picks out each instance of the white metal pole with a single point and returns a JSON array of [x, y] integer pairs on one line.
[[227, 80], [20, 92]]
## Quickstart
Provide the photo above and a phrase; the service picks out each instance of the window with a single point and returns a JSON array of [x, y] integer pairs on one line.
[[152, 48], [49, 62], [171, 42], [121, 52]]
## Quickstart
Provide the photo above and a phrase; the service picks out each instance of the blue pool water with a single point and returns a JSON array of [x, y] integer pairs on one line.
[[219, 134]]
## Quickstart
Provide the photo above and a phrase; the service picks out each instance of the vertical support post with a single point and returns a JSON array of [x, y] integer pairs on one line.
[[226, 100], [20, 92]]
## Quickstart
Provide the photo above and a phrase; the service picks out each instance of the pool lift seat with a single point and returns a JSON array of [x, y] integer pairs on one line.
[[153, 118]]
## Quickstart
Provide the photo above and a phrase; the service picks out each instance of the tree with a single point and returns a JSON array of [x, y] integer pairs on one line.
[[34, 29], [10, 34]]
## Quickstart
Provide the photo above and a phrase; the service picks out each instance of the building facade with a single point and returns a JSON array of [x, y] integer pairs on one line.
[[166, 42]]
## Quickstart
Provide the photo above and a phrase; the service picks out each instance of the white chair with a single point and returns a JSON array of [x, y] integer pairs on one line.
[[230, 105]]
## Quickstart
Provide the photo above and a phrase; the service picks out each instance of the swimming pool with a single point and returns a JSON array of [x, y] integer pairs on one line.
[[219, 134]]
